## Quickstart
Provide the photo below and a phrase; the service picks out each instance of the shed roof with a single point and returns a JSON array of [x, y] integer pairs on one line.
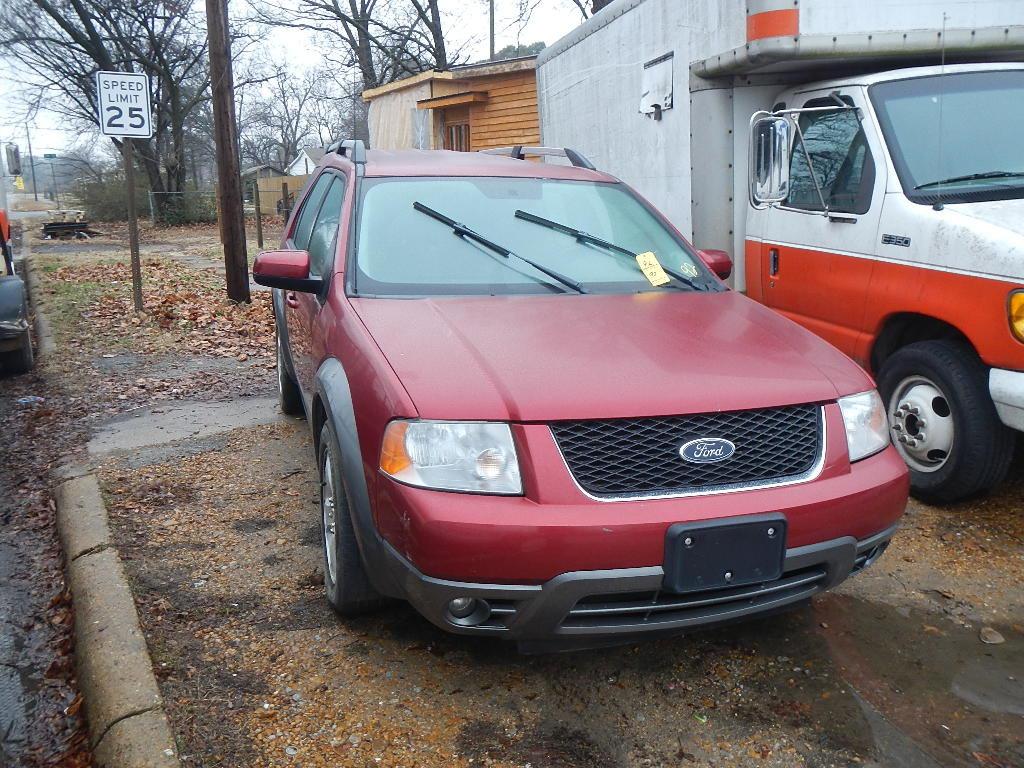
[[458, 72]]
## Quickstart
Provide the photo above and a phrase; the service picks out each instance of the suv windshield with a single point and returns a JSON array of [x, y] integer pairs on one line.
[[955, 137], [401, 251]]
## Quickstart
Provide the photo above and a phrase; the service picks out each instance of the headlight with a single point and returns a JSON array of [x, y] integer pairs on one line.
[[479, 457], [1015, 310], [867, 429]]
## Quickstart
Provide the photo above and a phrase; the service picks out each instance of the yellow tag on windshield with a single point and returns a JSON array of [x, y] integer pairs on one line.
[[652, 268]]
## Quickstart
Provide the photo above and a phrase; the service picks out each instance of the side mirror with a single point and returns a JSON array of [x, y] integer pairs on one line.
[[717, 261], [770, 142], [288, 270]]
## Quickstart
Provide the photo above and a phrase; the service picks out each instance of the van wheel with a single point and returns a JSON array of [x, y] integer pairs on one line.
[[943, 422], [287, 390], [348, 588]]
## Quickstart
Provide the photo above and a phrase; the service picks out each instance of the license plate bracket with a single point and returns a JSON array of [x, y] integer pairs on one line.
[[716, 555]]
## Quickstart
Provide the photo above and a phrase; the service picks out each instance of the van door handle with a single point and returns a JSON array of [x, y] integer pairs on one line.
[[773, 261], [291, 299]]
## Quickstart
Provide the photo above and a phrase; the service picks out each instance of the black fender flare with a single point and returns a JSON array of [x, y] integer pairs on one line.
[[335, 396], [282, 330]]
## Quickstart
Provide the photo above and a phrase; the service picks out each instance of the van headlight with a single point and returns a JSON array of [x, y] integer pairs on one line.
[[473, 456], [867, 428]]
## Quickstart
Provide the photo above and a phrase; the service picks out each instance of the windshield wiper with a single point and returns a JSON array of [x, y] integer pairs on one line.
[[586, 237], [463, 231], [973, 177]]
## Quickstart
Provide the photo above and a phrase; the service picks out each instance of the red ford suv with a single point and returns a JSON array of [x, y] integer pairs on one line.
[[540, 414]]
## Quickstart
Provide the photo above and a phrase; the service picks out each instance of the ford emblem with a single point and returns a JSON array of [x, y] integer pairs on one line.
[[705, 450]]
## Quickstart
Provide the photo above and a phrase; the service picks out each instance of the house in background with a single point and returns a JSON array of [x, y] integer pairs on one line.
[[465, 108], [305, 162]]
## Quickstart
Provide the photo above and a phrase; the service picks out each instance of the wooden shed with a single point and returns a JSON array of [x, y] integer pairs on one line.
[[465, 108]]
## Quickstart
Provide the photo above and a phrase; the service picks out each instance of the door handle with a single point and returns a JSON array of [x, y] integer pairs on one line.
[[291, 299], [773, 261]]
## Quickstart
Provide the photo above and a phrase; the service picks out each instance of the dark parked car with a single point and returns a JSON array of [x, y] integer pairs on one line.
[[540, 414], [15, 336]]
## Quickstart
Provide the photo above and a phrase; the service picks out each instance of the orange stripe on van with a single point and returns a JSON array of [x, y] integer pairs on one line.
[[785, 23]]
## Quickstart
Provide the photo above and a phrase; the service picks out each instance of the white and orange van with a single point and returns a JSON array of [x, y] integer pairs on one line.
[[888, 216]]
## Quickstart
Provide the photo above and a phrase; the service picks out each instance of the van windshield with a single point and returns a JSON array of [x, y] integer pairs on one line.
[[403, 251], [955, 137]]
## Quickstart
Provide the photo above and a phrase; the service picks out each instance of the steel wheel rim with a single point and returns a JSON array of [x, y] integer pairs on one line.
[[328, 508], [921, 424]]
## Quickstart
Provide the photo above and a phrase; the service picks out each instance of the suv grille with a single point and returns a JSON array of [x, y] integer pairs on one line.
[[630, 457]]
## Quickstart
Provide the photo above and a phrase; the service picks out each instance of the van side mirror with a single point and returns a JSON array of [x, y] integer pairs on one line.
[[288, 270], [717, 261], [770, 143]]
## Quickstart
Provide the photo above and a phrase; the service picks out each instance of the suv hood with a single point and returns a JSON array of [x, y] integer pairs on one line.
[[546, 358]]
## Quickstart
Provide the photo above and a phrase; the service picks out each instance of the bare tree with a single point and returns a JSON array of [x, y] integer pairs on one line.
[[383, 41], [277, 122], [62, 43]]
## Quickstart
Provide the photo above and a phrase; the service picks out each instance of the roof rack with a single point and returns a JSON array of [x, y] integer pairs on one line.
[[519, 152]]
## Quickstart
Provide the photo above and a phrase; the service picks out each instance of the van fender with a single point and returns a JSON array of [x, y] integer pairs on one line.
[[331, 387]]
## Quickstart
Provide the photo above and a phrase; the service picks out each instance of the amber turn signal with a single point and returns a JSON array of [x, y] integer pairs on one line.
[[393, 457], [1015, 309]]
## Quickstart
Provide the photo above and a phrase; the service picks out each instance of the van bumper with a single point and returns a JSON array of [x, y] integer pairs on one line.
[[1007, 390]]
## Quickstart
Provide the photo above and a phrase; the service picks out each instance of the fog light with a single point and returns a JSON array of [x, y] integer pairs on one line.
[[461, 607]]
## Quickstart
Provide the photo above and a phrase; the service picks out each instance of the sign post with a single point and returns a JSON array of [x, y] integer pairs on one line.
[[125, 112]]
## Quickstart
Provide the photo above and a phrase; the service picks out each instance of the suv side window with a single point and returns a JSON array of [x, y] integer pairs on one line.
[[325, 230], [842, 162], [310, 206]]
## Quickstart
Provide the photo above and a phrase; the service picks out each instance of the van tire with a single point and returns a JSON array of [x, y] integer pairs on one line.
[[981, 448], [349, 591], [288, 392]]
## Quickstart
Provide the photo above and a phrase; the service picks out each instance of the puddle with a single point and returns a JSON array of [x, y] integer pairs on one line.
[[181, 420], [933, 693]]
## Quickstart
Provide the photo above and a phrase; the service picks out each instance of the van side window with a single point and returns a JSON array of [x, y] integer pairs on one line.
[[325, 230], [842, 162], [310, 206]]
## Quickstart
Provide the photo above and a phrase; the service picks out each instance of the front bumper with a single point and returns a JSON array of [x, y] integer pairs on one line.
[[583, 606], [1007, 390]]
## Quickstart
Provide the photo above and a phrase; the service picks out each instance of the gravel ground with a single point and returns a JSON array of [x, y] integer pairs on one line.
[[221, 543], [223, 550]]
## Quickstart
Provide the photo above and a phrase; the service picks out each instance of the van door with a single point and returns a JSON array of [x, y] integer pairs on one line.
[[815, 268]]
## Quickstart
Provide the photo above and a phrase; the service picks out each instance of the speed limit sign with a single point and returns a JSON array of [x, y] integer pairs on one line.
[[124, 108]]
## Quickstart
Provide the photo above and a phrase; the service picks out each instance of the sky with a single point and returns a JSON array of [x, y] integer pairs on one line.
[[466, 26]]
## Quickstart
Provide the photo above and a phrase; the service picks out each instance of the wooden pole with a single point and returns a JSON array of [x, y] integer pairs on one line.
[[133, 223], [225, 132], [285, 207], [259, 213]]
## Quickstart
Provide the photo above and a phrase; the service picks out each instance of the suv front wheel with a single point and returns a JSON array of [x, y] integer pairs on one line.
[[943, 422], [348, 588]]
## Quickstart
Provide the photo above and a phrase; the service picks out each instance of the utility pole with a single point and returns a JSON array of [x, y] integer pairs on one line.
[[225, 133], [492, 30], [32, 163]]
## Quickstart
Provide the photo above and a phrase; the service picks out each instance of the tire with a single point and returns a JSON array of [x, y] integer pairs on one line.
[[943, 422], [21, 360], [347, 586], [288, 394]]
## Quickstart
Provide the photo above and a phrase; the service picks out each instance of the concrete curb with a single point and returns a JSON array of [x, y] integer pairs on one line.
[[127, 724], [45, 344]]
